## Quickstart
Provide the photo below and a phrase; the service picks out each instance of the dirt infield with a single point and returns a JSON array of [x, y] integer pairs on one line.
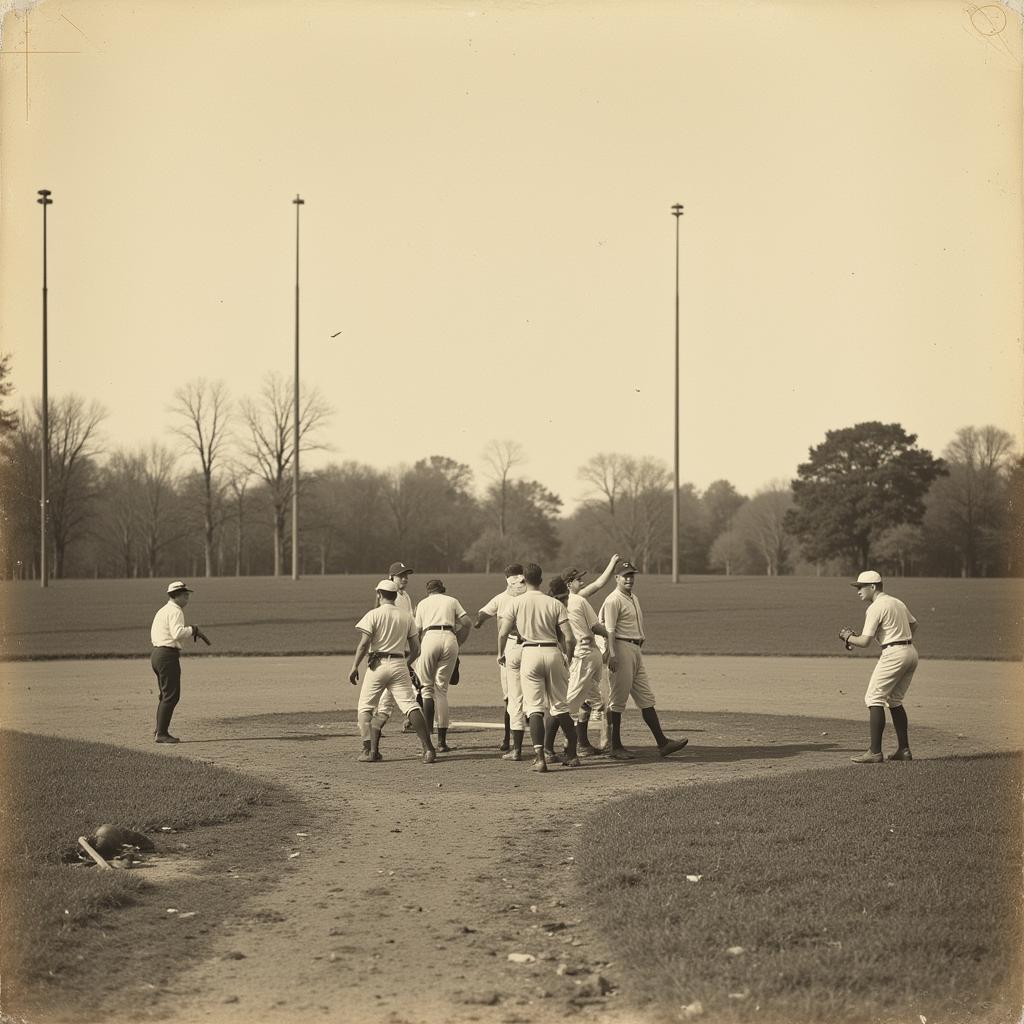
[[417, 882]]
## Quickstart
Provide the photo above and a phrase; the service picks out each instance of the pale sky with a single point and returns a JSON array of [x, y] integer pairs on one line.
[[487, 220]]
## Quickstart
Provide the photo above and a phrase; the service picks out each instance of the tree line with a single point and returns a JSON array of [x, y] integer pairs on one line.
[[216, 500]]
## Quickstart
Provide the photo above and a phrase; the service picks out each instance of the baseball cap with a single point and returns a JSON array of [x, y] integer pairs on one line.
[[572, 573], [624, 567], [435, 585], [869, 576], [557, 587], [177, 587], [388, 586], [397, 568]]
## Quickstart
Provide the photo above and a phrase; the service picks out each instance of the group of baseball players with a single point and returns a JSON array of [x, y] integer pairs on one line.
[[552, 652]]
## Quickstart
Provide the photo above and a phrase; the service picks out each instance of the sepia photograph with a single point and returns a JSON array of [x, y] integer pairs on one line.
[[511, 512]]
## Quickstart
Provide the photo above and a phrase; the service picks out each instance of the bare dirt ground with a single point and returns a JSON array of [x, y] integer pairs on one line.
[[414, 883]]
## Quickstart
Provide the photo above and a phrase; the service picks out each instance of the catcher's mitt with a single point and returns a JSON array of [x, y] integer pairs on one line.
[[844, 634]]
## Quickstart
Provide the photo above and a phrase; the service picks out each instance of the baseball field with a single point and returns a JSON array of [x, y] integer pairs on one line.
[[758, 875]]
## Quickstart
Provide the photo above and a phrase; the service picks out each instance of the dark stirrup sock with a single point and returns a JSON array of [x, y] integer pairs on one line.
[[582, 739], [654, 724], [537, 729], [615, 722], [550, 731], [877, 728], [900, 724], [428, 713], [517, 740], [508, 721]]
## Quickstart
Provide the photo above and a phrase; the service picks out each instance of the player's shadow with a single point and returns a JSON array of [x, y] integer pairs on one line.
[[300, 738], [761, 752]]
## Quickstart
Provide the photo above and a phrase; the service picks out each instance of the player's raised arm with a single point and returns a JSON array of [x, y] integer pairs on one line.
[[602, 580]]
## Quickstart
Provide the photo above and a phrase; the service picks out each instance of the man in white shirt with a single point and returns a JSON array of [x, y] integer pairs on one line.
[[623, 618], [542, 623], [398, 573], [887, 620], [585, 669], [165, 635], [509, 659], [391, 641], [443, 627]]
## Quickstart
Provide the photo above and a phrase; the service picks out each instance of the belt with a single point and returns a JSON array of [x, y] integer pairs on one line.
[[898, 643], [631, 640], [164, 647], [381, 654], [451, 629], [531, 643]]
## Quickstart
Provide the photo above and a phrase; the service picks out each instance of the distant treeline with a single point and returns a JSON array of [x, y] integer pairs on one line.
[[215, 497]]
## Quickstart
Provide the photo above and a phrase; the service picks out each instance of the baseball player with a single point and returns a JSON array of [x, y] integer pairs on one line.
[[585, 668], [887, 620], [623, 618], [508, 663], [542, 623], [443, 627], [165, 634], [386, 631], [399, 574]]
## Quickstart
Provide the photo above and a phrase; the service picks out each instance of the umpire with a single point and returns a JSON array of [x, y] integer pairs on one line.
[[166, 634]]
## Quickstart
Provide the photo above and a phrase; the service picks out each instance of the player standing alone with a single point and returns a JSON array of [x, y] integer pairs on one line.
[[888, 620]]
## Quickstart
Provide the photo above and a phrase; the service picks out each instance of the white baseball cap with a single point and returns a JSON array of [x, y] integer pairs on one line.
[[869, 576], [388, 586], [177, 587]]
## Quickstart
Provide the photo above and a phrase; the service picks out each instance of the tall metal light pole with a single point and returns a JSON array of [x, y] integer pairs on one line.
[[44, 469], [298, 201], [677, 212]]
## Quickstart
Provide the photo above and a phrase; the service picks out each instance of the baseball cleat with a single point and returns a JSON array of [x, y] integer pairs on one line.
[[378, 756], [571, 762], [671, 747], [512, 755], [868, 757], [365, 756], [903, 754], [586, 750], [539, 765], [429, 756], [443, 748], [166, 738], [621, 754], [505, 746]]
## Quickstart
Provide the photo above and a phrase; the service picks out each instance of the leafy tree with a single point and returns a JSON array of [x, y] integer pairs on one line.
[[859, 482], [721, 502], [900, 549], [530, 533]]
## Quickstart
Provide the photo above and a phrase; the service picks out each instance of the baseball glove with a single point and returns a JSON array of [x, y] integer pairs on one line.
[[844, 634], [454, 681], [373, 661]]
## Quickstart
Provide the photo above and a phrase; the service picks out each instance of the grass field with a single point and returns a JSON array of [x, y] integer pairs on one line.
[[960, 619], [886, 894], [56, 790]]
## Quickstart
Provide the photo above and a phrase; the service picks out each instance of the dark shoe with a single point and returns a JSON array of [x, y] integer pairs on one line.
[[571, 762], [506, 745], [671, 747], [903, 754], [868, 758], [621, 754], [167, 738], [586, 750], [539, 765], [443, 748], [429, 756]]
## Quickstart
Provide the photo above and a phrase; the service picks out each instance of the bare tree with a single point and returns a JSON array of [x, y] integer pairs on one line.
[[761, 522], [270, 446], [239, 477], [122, 509], [501, 457], [8, 418], [203, 411], [159, 524]]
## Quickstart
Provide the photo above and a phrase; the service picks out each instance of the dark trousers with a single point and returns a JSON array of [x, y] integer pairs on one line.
[[166, 662]]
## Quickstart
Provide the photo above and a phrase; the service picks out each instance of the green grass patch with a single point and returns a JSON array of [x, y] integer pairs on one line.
[[55, 790], [874, 893], [794, 616]]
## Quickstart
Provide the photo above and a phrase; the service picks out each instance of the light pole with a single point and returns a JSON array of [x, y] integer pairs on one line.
[[298, 201], [677, 212], [44, 469]]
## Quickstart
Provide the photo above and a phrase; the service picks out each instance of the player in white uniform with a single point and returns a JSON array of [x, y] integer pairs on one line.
[[390, 638], [586, 666], [543, 625], [623, 618], [888, 620], [509, 659], [399, 574], [443, 627]]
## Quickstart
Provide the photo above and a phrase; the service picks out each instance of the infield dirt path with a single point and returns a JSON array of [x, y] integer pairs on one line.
[[415, 883]]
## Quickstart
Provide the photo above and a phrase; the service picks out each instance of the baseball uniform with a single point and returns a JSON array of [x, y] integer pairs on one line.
[[887, 621], [585, 667], [537, 619], [438, 618], [387, 702], [622, 616], [389, 628], [511, 686]]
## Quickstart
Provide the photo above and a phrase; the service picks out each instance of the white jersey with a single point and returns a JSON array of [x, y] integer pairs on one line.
[[439, 610], [536, 617], [388, 628], [887, 620], [582, 618], [622, 617], [169, 629]]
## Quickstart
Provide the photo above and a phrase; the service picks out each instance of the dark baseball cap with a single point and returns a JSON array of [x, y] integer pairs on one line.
[[397, 568], [572, 573], [435, 585], [624, 567], [557, 587]]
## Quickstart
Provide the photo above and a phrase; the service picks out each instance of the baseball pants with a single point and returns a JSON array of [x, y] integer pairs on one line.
[[435, 668], [629, 679], [387, 702], [390, 677], [545, 681], [513, 681], [584, 680], [166, 662], [892, 677]]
